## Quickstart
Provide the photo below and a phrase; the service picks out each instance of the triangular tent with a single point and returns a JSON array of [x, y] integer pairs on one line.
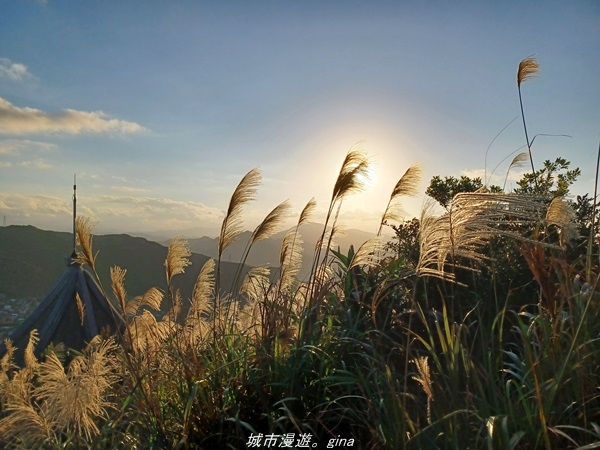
[[59, 318]]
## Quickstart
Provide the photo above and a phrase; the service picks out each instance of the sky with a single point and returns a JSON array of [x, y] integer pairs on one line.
[[160, 108]]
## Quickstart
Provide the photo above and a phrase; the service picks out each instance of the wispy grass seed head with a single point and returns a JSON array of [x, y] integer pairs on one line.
[[83, 234], [232, 223], [353, 173], [407, 185], [117, 278], [271, 222], [177, 258], [528, 68], [307, 211], [563, 216]]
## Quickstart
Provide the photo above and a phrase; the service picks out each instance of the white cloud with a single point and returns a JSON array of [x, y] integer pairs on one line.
[[14, 146], [498, 178], [130, 189], [35, 164], [28, 206], [116, 213], [16, 120], [147, 214], [38, 164], [13, 71]]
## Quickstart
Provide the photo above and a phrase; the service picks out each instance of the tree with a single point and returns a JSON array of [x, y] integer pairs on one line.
[[553, 180], [443, 191], [406, 243]]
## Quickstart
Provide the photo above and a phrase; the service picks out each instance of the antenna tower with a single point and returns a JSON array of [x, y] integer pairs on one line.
[[74, 210]]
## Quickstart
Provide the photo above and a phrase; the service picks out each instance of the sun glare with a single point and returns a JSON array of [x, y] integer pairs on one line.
[[368, 180]]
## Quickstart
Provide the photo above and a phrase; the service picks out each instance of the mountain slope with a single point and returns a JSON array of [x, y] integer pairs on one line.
[[31, 260], [267, 252]]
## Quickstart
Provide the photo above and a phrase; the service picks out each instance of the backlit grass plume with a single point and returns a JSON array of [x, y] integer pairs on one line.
[[270, 223], [177, 258], [517, 161], [424, 379], [473, 218], [562, 215], [407, 185], [264, 230], [232, 223], [62, 400], [31, 361], [528, 67], [117, 278], [290, 258], [203, 291], [83, 233], [351, 178], [307, 211], [152, 298], [353, 173]]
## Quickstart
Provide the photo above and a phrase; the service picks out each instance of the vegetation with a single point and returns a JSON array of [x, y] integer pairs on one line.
[[480, 329]]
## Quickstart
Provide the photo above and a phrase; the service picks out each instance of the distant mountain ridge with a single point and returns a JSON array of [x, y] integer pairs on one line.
[[31, 260], [266, 253]]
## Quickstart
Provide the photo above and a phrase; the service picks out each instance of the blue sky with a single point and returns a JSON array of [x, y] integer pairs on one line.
[[161, 107]]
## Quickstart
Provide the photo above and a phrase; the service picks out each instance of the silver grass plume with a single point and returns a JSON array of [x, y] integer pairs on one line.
[[177, 258], [369, 254], [80, 308], [256, 283], [83, 234], [407, 185], [117, 278], [143, 332], [307, 212], [352, 173], [528, 68], [31, 361], [203, 290], [563, 216], [471, 221], [290, 258], [6, 362], [152, 298], [290, 255], [518, 161], [424, 379], [170, 318], [75, 398], [232, 223], [270, 223]]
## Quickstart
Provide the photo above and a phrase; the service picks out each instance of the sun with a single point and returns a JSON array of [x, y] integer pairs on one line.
[[369, 178]]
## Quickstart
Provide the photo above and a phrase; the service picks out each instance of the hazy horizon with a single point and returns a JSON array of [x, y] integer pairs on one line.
[[160, 109]]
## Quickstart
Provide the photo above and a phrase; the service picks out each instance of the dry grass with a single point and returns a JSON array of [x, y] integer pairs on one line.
[[528, 68], [562, 215], [177, 258], [471, 221], [425, 380], [232, 223], [83, 233], [46, 399], [271, 223], [407, 185], [117, 278]]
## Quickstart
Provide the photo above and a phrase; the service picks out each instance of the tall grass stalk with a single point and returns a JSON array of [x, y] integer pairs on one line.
[[528, 68]]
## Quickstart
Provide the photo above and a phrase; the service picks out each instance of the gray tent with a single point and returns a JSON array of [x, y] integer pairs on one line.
[[58, 318]]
